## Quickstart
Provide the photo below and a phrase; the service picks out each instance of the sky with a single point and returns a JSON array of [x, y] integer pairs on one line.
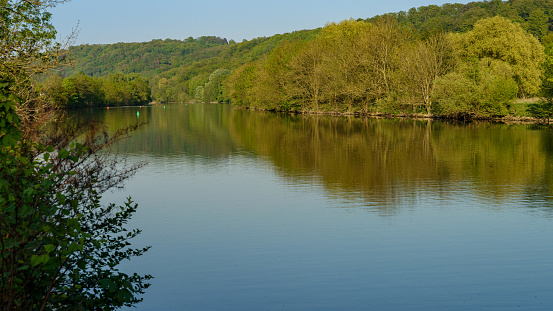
[[112, 21]]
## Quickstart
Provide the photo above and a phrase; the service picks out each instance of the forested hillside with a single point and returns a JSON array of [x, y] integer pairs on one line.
[[535, 16], [201, 79], [159, 56], [456, 60], [197, 69], [146, 58], [383, 67], [174, 69]]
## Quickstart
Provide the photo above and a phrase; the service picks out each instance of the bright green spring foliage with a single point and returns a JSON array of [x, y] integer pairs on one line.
[[498, 39], [496, 62], [85, 91], [544, 108], [547, 90], [175, 68], [535, 16], [352, 66], [383, 67], [180, 69]]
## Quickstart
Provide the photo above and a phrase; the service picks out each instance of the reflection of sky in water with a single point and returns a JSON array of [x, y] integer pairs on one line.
[[243, 231]]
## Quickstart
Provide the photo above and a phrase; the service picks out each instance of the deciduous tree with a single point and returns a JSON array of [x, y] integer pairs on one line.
[[59, 248], [500, 39]]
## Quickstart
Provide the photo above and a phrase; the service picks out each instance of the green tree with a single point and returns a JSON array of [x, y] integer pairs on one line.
[[454, 95], [212, 89], [538, 23], [59, 247], [306, 76], [425, 62], [27, 49], [544, 108], [547, 87], [240, 85], [9, 120], [479, 87], [82, 91], [199, 93], [124, 90], [499, 39], [346, 75], [53, 88]]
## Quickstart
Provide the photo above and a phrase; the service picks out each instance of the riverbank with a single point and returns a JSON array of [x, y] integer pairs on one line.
[[506, 119]]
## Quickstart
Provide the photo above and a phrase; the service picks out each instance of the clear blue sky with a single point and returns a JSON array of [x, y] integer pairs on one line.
[[111, 21]]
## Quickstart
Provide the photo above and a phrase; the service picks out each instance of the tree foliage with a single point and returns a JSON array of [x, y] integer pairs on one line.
[[175, 68], [498, 39], [28, 49], [85, 91], [534, 16], [59, 248], [27, 44], [387, 64], [349, 67], [9, 120], [497, 61], [148, 58], [544, 108], [383, 67]]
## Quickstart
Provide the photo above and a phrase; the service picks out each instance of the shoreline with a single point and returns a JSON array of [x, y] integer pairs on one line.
[[508, 119]]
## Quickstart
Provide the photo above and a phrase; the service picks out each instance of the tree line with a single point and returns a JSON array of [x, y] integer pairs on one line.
[[187, 82], [85, 91], [146, 58], [385, 67], [534, 16], [188, 70], [175, 68]]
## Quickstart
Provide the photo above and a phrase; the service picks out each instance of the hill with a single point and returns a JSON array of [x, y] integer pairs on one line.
[[183, 70], [175, 68], [535, 16]]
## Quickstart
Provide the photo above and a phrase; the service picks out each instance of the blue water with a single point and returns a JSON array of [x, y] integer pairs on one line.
[[238, 231]]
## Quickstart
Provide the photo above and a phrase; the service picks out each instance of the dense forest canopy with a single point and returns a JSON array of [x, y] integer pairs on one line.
[[383, 67], [147, 58], [406, 62], [85, 91], [174, 69], [535, 16]]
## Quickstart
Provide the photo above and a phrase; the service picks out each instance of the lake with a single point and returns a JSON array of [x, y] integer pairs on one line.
[[249, 210]]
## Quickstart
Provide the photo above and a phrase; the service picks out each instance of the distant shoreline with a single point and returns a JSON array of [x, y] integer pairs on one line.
[[508, 119]]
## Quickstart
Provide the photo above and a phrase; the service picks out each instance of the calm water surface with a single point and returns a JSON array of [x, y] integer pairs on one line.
[[258, 211]]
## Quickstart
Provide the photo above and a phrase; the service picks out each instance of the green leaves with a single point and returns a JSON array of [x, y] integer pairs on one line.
[[49, 248], [54, 232], [9, 120], [63, 154], [501, 40], [39, 259], [57, 241], [85, 91]]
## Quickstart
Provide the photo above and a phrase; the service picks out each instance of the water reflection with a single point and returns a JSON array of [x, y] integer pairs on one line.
[[196, 131], [369, 162], [250, 210], [387, 160]]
